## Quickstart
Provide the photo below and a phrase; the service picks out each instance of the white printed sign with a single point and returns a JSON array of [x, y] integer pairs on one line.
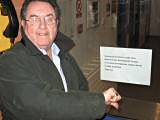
[[126, 65]]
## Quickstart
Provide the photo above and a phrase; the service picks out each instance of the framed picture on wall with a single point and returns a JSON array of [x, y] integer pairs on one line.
[[92, 13]]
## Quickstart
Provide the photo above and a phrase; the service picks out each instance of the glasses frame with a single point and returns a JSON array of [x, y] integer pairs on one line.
[[36, 20]]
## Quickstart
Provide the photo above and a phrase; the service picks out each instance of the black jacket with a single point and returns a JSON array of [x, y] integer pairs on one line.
[[31, 87]]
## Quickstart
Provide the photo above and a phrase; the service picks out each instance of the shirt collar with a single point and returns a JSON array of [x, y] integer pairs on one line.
[[55, 49]]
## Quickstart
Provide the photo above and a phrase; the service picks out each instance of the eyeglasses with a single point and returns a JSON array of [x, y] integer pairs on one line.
[[36, 20]]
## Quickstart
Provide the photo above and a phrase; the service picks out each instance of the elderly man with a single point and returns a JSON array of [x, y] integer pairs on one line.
[[40, 80]]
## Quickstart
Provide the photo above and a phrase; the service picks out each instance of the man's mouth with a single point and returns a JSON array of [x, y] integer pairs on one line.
[[42, 34]]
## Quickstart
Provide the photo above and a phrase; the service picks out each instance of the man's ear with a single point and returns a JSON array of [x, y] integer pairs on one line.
[[23, 23], [58, 23]]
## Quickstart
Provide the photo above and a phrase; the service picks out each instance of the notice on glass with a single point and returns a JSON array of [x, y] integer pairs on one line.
[[127, 65]]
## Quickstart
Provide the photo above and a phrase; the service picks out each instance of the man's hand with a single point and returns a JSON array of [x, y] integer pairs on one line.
[[112, 97]]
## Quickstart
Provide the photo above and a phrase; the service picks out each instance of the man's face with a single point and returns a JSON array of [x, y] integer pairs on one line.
[[41, 24]]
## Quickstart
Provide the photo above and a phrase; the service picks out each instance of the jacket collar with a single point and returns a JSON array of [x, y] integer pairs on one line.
[[62, 41]]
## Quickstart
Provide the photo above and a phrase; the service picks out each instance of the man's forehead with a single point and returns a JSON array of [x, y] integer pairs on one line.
[[40, 7]]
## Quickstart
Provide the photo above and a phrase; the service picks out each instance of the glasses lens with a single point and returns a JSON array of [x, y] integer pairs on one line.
[[49, 20]]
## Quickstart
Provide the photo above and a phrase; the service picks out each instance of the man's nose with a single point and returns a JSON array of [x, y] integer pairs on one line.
[[42, 24]]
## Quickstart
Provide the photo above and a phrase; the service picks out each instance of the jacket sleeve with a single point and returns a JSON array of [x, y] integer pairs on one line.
[[25, 98]]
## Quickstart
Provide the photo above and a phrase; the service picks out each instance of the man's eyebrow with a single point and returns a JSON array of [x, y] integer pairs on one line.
[[33, 16], [51, 14]]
